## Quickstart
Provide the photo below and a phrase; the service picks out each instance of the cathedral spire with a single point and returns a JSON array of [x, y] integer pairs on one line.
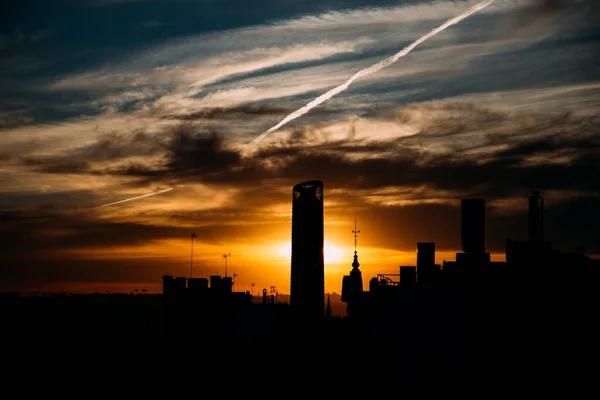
[[352, 284], [355, 263], [328, 310]]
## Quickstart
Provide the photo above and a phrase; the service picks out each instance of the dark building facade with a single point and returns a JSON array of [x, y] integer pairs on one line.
[[427, 271], [408, 276], [425, 254], [472, 221], [536, 217], [352, 288], [307, 286]]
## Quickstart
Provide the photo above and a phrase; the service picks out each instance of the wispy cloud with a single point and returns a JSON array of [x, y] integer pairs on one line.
[[208, 71], [134, 198]]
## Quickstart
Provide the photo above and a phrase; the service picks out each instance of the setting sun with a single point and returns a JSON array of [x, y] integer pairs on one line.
[[332, 253]]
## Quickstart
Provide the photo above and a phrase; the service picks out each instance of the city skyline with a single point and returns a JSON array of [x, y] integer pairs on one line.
[[128, 126], [471, 233]]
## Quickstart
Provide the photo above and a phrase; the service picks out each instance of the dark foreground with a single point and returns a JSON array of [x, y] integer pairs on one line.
[[476, 339]]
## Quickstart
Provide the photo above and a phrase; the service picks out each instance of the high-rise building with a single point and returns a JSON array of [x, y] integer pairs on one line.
[[472, 225], [307, 288], [426, 268], [168, 285], [536, 217], [425, 254]]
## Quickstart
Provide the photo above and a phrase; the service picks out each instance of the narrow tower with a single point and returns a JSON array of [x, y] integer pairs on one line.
[[536, 217], [307, 286], [352, 285]]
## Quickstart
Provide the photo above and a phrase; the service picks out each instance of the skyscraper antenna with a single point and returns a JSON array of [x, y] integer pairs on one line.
[[356, 232]]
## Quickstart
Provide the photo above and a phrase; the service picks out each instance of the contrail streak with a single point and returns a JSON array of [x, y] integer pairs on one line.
[[375, 67], [135, 198]]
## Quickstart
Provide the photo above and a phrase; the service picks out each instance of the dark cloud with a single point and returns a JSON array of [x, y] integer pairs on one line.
[[558, 152], [17, 37], [548, 11], [198, 153], [241, 111], [38, 246], [45, 200], [114, 146], [580, 146], [187, 151], [547, 6], [56, 165], [56, 232], [399, 162], [59, 231], [47, 245], [109, 147], [14, 118]]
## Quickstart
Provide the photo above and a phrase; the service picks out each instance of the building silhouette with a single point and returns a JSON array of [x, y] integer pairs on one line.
[[469, 315], [427, 271], [534, 257], [536, 217], [474, 262], [307, 287], [352, 288], [473, 285], [408, 276]]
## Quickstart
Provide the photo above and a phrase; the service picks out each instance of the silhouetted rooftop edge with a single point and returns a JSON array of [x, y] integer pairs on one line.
[[313, 183]]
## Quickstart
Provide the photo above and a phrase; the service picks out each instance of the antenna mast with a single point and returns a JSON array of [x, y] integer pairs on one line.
[[356, 232], [226, 256]]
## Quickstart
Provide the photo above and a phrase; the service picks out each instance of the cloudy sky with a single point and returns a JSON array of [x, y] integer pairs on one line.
[[125, 126]]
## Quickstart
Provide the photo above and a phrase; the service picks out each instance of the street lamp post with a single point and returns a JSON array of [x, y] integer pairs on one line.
[[192, 256]]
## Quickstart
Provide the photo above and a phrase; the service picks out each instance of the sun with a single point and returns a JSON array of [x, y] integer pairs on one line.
[[332, 254]]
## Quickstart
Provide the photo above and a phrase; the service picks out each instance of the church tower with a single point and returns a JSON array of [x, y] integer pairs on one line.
[[352, 285]]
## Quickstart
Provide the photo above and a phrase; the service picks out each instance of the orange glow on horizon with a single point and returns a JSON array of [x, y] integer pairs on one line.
[[264, 264]]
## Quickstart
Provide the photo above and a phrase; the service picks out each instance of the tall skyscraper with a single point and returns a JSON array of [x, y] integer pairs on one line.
[[307, 288], [472, 225], [536, 217]]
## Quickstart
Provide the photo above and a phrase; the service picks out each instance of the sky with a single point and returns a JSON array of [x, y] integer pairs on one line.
[[126, 126]]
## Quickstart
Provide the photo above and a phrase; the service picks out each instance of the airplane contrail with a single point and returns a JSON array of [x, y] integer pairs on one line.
[[135, 198], [375, 67]]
